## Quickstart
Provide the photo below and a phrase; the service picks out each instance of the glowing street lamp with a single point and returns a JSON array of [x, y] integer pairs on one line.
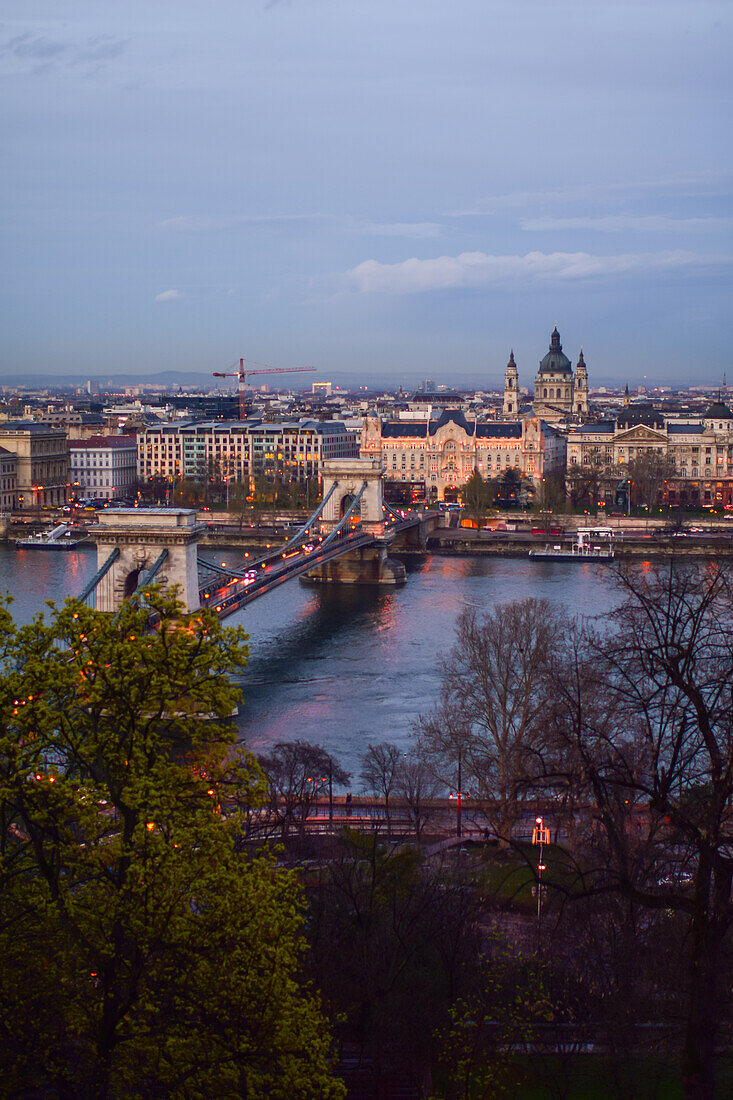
[[540, 837]]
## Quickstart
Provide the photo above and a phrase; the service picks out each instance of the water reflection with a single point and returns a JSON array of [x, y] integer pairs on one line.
[[337, 665]]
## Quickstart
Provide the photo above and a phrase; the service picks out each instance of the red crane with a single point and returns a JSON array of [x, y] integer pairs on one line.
[[243, 375]]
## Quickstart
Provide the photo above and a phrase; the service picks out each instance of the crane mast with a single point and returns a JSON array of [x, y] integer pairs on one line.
[[242, 375]]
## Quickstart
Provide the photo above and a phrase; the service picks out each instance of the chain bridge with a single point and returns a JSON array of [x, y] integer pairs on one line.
[[345, 541]]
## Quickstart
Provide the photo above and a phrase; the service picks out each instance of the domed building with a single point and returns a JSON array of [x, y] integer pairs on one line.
[[558, 395]]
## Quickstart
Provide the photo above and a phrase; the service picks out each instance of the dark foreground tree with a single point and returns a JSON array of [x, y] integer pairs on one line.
[[140, 955], [644, 716]]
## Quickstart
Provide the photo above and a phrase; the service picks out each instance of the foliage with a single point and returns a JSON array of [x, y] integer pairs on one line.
[[393, 943], [477, 496], [139, 953]]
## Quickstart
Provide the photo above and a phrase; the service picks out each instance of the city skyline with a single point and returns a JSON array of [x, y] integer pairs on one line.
[[380, 195]]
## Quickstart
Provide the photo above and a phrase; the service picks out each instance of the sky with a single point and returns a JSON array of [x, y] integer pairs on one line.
[[387, 190]]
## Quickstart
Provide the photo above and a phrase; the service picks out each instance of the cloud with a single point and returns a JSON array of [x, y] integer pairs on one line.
[[199, 223], [168, 295], [689, 183], [475, 269], [418, 230], [46, 53], [618, 223]]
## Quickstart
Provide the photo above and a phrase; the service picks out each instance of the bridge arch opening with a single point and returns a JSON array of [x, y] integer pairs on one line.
[[346, 502], [132, 580]]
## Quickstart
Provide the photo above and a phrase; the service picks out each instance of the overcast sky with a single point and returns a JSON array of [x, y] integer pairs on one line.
[[387, 189]]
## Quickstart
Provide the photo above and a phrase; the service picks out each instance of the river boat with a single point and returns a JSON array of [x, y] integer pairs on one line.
[[62, 537], [591, 544]]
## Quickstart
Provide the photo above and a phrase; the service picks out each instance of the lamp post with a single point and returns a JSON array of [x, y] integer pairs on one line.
[[458, 794], [540, 837]]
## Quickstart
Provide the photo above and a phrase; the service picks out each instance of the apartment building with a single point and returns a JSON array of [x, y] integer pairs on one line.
[[42, 470], [103, 467], [294, 450]]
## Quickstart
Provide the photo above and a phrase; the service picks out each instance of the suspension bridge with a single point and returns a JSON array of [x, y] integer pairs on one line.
[[344, 541]]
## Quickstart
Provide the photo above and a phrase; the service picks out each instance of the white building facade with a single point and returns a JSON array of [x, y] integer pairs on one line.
[[103, 467]]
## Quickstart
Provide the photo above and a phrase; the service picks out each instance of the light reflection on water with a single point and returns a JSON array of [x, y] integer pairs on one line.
[[342, 666]]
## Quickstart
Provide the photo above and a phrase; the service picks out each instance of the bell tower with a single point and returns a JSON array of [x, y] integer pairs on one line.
[[511, 388], [580, 388]]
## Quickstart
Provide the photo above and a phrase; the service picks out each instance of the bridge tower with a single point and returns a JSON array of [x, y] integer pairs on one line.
[[146, 545], [349, 475], [368, 564]]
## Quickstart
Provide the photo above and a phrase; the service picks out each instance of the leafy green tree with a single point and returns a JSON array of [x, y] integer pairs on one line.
[[140, 953], [477, 496]]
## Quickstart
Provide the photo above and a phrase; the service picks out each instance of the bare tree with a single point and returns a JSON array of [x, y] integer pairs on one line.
[[488, 724], [647, 474], [298, 773], [380, 767], [645, 712], [418, 786]]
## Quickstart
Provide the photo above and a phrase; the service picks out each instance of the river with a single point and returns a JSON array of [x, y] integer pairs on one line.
[[342, 667]]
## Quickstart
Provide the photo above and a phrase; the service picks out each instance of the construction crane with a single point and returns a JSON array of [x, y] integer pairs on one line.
[[242, 375]]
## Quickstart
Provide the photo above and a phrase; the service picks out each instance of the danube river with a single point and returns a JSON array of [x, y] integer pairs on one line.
[[338, 666]]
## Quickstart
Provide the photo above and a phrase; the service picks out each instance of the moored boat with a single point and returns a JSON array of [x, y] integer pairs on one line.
[[60, 538], [591, 544]]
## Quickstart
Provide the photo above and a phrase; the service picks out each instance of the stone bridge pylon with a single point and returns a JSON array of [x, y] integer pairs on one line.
[[153, 545], [349, 475], [368, 564]]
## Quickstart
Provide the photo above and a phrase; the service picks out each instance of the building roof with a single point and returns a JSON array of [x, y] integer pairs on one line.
[[100, 442], [640, 414], [601, 427], [420, 429], [719, 411], [555, 360], [684, 429], [32, 427]]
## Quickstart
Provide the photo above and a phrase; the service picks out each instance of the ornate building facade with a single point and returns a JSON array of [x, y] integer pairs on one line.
[[442, 454], [702, 451]]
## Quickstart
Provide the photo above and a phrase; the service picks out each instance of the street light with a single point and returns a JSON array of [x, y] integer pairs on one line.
[[458, 794], [540, 836]]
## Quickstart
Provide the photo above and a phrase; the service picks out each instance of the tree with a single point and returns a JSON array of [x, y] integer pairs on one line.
[[489, 721], [380, 767], [477, 496], [393, 942], [644, 715], [298, 773], [647, 475], [510, 485], [174, 967], [584, 484], [418, 786]]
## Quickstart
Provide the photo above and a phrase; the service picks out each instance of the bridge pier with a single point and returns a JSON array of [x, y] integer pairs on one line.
[[368, 565], [141, 535]]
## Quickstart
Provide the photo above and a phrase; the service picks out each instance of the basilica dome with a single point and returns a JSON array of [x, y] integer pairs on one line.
[[555, 361]]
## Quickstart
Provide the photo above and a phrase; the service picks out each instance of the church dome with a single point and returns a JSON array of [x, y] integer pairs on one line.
[[555, 361]]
